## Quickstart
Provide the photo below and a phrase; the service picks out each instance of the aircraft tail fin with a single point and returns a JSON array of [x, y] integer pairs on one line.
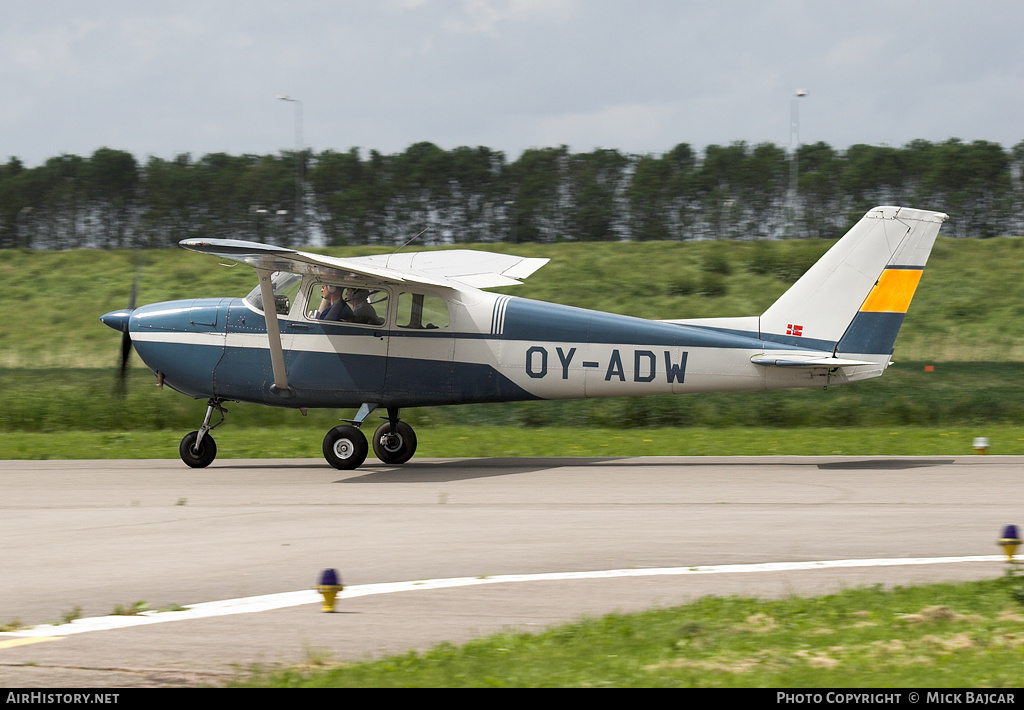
[[854, 299]]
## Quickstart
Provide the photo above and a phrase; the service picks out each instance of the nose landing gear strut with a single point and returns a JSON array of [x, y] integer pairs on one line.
[[198, 449]]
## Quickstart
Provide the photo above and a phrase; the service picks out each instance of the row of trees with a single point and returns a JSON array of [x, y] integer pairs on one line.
[[476, 195]]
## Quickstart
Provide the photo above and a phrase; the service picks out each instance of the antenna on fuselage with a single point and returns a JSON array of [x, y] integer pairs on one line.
[[408, 243], [411, 240]]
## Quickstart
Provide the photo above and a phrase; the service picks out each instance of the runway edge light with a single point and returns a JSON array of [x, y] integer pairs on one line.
[[980, 444], [330, 585], [1010, 541]]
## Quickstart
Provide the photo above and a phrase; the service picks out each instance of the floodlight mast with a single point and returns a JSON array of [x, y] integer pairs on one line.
[[298, 164], [794, 146]]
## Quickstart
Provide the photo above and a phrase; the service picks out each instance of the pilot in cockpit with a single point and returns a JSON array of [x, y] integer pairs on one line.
[[333, 306]]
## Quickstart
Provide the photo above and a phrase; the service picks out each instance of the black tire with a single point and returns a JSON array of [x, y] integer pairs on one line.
[[201, 457], [394, 448], [345, 447]]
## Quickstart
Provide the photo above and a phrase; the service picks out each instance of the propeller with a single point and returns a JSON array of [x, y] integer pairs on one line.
[[126, 337], [120, 320]]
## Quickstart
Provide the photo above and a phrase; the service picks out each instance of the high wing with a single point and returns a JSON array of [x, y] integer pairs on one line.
[[478, 269], [453, 268]]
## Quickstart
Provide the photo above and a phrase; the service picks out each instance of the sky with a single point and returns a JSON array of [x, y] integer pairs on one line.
[[640, 76]]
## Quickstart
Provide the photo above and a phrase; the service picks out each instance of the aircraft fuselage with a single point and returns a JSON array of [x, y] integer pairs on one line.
[[495, 348]]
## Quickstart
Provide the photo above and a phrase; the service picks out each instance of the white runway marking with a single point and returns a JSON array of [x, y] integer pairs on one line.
[[268, 602]]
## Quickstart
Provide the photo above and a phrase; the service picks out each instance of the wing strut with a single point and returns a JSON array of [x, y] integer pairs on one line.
[[280, 386]]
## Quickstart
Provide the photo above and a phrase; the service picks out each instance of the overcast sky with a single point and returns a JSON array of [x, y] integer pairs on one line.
[[640, 76]]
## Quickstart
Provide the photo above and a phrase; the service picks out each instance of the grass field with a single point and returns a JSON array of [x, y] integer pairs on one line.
[[932, 636], [974, 393], [503, 441], [54, 413]]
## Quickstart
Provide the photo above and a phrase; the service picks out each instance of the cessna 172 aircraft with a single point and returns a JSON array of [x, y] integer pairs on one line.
[[416, 329]]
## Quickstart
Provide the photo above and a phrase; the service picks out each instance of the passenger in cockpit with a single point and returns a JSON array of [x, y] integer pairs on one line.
[[362, 311]]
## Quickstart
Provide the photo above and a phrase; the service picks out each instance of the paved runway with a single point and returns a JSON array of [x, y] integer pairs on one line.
[[95, 534]]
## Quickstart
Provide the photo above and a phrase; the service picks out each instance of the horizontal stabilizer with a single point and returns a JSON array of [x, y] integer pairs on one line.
[[791, 359]]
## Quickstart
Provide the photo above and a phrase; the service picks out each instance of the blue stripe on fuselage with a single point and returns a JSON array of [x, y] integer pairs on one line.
[[798, 342], [548, 322], [410, 382]]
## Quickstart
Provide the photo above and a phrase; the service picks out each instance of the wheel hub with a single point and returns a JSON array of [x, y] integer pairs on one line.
[[343, 448]]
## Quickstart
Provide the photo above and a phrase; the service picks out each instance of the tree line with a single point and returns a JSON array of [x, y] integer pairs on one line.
[[739, 191]]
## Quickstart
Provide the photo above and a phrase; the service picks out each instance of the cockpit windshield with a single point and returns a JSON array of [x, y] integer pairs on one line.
[[286, 285]]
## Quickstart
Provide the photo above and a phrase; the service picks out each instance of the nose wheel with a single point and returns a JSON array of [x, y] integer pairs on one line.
[[198, 455]]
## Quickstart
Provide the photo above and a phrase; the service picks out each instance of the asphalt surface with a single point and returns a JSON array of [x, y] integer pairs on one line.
[[80, 537]]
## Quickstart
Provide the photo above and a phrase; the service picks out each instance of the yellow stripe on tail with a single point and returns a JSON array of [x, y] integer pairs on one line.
[[893, 291]]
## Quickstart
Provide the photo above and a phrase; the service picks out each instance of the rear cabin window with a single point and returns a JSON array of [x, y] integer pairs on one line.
[[416, 310]]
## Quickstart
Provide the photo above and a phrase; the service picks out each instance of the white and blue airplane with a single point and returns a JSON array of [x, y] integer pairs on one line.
[[417, 329]]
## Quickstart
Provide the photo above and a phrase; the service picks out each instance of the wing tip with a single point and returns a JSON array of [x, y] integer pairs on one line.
[[231, 246]]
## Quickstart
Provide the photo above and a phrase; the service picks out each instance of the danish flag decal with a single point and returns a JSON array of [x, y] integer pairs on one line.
[[792, 329]]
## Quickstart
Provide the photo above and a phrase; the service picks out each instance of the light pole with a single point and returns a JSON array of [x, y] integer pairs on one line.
[[24, 211], [298, 164], [794, 145]]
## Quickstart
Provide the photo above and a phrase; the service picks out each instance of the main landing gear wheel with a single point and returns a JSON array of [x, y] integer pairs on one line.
[[197, 456], [345, 447], [394, 447]]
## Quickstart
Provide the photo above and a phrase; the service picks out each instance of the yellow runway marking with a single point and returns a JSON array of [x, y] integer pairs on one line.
[[24, 642]]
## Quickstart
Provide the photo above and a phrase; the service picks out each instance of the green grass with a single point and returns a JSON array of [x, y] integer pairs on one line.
[[958, 394], [475, 441], [968, 635]]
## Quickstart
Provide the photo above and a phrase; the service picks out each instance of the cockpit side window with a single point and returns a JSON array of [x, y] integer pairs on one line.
[[347, 303], [416, 310]]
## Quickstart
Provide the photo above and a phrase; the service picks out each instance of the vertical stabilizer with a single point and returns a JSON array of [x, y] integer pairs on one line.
[[854, 299]]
